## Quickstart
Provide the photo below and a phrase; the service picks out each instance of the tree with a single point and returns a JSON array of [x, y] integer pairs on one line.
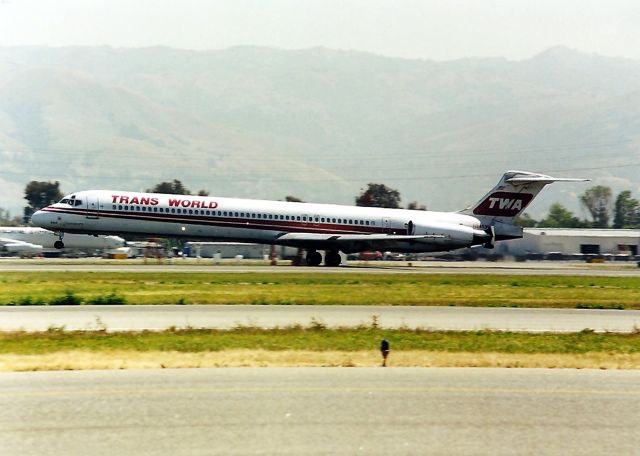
[[40, 194], [626, 211], [415, 206], [525, 221], [171, 188], [379, 195], [560, 217], [203, 193], [292, 199], [7, 220], [597, 200]]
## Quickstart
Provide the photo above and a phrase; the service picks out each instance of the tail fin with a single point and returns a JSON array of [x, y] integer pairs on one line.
[[510, 198]]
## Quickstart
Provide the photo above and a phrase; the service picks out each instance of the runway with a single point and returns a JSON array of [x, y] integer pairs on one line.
[[320, 411], [159, 317], [418, 267]]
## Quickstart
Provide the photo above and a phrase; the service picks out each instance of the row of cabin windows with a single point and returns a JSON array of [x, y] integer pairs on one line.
[[299, 218]]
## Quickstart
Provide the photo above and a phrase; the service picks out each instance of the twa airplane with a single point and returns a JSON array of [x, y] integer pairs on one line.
[[313, 227]]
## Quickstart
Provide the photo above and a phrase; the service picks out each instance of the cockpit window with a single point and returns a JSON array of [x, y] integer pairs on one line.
[[71, 201]]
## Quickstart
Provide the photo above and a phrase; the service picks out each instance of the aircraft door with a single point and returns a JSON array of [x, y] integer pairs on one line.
[[386, 225], [92, 206]]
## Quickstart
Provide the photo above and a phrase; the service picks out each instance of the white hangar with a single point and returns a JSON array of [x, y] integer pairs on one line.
[[574, 242]]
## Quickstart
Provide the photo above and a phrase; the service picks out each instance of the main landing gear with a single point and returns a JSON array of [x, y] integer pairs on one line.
[[331, 258], [313, 258], [59, 244]]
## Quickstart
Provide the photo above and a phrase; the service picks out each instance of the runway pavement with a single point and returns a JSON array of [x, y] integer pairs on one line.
[[320, 411], [418, 267], [158, 317]]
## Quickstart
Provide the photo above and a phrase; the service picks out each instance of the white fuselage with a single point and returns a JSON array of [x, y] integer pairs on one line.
[[244, 220]]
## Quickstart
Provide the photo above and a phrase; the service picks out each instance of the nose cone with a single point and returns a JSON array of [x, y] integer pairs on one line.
[[42, 219]]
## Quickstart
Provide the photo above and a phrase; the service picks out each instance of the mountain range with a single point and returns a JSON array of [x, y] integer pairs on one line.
[[318, 124]]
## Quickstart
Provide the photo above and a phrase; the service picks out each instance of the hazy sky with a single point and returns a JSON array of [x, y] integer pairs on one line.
[[441, 30]]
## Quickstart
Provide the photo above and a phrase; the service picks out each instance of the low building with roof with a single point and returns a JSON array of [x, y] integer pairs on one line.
[[574, 242]]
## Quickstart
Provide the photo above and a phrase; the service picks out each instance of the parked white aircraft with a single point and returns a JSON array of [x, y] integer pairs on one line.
[[33, 241], [313, 227]]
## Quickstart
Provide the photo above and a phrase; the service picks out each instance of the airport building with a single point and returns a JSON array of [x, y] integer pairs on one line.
[[574, 243]]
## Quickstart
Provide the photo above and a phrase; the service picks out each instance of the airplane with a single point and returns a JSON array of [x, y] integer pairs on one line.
[[30, 241], [328, 227]]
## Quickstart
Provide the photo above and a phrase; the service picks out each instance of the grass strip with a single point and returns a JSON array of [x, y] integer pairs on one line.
[[318, 339], [51, 288]]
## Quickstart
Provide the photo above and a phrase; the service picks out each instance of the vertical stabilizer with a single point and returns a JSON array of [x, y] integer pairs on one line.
[[509, 199]]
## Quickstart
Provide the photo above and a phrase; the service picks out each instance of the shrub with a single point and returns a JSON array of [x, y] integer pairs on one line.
[[68, 299]]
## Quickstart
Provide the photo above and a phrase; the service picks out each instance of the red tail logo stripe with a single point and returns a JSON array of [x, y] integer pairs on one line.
[[503, 204]]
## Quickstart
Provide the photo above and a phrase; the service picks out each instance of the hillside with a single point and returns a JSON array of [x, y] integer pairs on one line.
[[316, 123]]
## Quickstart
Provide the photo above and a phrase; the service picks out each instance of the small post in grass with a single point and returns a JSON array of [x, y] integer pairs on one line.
[[384, 349]]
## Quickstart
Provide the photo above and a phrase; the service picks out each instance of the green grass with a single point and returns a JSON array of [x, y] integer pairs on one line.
[[37, 288], [318, 339]]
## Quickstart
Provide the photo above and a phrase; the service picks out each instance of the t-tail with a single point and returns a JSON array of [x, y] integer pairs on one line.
[[498, 209]]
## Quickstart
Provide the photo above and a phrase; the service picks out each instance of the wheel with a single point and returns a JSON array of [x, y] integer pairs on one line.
[[332, 259], [314, 258], [58, 245]]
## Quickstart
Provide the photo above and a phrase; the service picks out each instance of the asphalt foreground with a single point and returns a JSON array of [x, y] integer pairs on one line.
[[320, 411]]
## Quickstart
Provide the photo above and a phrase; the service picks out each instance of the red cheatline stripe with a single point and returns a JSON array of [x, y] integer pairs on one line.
[[271, 225]]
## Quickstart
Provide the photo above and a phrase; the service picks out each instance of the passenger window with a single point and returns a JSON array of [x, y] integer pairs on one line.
[[173, 210], [270, 216], [120, 207], [282, 217], [191, 211], [333, 220], [113, 207], [367, 222], [322, 219], [144, 208]]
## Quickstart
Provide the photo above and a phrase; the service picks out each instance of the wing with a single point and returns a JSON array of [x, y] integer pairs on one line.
[[17, 246], [350, 243]]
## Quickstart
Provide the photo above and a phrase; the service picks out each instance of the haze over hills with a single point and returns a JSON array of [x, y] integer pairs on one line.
[[317, 123]]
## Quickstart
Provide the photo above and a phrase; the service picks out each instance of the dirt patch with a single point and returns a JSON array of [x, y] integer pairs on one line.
[[83, 360]]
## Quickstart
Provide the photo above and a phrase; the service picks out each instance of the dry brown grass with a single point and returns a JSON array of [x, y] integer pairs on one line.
[[81, 360]]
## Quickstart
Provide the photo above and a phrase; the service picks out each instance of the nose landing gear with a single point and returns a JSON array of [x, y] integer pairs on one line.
[[59, 244]]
